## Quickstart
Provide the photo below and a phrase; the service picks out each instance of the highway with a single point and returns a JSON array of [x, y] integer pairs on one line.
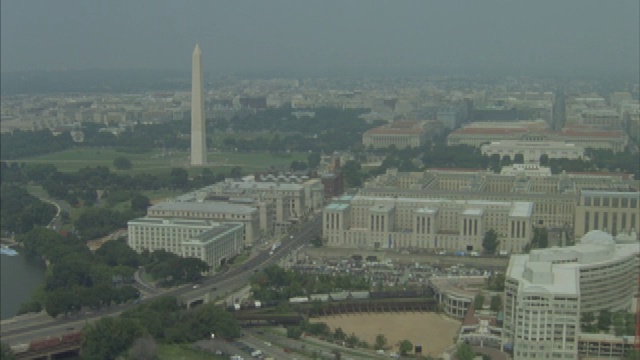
[[20, 330]]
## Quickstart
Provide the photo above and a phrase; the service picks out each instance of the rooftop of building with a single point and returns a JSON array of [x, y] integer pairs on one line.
[[204, 206], [556, 270], [174, 222], [284, 184], [461, 286], [214, 232]]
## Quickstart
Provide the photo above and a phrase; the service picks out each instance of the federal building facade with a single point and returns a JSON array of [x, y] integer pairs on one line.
[[532, 151], [401, 134], [209, 241], [547, 290], [612, 211], [371, 222], [211, 210], [558, 200], [480, 133]]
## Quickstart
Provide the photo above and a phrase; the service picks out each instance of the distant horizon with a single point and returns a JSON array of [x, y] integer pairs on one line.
[[434, 71], [572, 38]]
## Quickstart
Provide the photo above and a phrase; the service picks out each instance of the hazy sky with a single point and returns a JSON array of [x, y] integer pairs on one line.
[[323, 36]]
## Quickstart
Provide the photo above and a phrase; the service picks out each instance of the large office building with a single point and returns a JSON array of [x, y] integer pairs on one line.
[[212, 210], [285, 198], [555, 197], [209, 241], [547, 290], [371, 222], [401, 134], [479, 133], [532, 151], [615, 211]]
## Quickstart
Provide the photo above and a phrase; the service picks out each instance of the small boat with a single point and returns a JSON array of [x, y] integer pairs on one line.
[[5, 250]]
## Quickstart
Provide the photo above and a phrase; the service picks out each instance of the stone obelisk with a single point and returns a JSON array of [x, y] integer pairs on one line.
[[198, 130]]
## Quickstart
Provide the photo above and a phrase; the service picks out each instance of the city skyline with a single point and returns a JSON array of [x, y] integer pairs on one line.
[[286, 37]]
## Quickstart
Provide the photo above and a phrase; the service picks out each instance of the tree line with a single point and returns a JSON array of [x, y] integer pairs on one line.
[[133, 334], [77, 278], [278, 284], [81, 189], [21, 211]]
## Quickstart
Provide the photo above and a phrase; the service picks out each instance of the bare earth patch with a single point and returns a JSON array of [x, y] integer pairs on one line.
[[434, 332]]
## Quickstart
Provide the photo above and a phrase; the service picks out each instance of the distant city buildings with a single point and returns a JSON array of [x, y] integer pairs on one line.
[[532, 151], [401, 134], [478, 134]]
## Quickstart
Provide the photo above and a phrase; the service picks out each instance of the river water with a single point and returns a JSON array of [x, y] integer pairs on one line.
[[19, 277]]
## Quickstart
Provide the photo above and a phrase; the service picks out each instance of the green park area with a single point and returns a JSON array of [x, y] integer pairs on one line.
[[157, 162], [183, 352]]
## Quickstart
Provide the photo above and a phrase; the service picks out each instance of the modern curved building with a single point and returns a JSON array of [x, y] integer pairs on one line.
[[547, 290]]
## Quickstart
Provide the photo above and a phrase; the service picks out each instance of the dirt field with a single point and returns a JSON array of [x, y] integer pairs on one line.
[[434, 332]]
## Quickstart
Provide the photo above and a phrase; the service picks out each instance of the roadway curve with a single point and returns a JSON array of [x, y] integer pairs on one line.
[[26, 329]]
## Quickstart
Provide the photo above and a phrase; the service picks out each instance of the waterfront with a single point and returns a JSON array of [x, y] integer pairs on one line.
[[19, 277]]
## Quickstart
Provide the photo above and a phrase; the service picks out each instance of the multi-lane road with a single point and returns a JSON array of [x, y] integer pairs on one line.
[[20, 330]]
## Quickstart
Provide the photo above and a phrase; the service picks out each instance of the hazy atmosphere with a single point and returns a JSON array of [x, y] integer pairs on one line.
[[325, 37]]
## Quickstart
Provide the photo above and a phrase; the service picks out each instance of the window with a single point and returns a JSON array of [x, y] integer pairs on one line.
[[587, 201], [596, 201], [634, 203], [614, 202], [625, 202], [605, 201]]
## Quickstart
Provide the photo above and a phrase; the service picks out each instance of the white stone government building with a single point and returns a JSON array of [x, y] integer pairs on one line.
[[372, 222], [207, 240]]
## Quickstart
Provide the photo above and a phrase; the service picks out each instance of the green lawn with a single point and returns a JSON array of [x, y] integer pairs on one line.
[[183, 352], [218, 137], [156, 162]]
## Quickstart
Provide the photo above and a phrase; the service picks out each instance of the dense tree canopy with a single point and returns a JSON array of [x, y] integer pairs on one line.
[[172, 269], [276, 283], [19, 144], [21, 211], [490, 241]]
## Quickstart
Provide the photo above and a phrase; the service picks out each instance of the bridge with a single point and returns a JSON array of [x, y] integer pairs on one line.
[[51, 348]]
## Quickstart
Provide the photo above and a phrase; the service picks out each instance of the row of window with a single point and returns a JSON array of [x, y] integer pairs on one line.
[[614, 202]]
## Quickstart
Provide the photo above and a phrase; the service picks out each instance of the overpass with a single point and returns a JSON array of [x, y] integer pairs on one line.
[[224, 284]]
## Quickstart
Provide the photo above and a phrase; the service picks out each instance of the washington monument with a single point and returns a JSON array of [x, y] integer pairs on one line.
[[198, 130]]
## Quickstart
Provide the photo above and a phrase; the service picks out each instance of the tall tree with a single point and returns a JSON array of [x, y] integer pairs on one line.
[[490, 241], [465, 352], [381, 342], [122, 163], [405, 347]]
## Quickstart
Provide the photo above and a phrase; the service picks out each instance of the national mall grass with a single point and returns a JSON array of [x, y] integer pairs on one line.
[[157, 162]]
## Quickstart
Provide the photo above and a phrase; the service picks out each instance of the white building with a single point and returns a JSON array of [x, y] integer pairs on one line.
[[212, 210], [288, 197], [547, 290], [209, 241], [525, 170], [532, 150], [372, 222]]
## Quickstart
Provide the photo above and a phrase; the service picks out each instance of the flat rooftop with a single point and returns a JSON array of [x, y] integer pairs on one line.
[[205, 206]]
